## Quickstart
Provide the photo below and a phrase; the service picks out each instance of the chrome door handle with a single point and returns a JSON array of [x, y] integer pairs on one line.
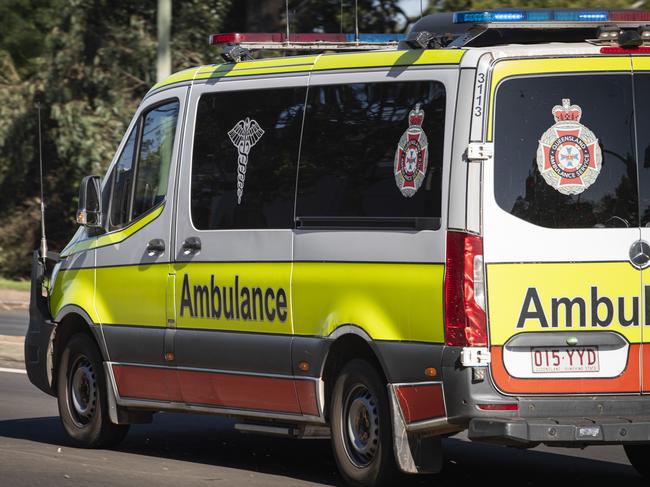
[[156, 246], [191, 245], [640, 254]]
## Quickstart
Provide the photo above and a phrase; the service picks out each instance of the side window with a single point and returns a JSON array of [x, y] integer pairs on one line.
[[244, 159], [141, 174], [122, 179], [154, 158], [372, 155], [564, 154]]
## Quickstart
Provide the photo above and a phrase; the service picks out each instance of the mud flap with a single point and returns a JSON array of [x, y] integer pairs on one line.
[[414, 453]]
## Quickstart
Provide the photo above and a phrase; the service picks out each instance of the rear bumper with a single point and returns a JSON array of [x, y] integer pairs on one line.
[[560, 420], [563, 431]]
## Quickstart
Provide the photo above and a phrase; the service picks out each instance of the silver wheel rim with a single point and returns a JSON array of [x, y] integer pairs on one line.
[[82, 391], [360, 425]]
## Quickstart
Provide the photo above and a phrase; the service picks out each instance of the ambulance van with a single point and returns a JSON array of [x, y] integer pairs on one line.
[[385, 247]]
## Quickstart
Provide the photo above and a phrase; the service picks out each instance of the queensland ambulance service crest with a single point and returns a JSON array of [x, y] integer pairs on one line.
[[411, 156], [568, 155]]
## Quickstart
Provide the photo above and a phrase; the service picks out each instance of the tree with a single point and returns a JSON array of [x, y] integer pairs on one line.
[[93, 65], [316, 16]]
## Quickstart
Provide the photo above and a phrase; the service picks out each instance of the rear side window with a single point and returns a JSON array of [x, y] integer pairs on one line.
[[244, 159], [372, 155], [564, 154], [642, 99]]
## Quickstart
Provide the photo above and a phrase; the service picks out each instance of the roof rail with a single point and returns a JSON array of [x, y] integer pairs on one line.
[[237, 46]]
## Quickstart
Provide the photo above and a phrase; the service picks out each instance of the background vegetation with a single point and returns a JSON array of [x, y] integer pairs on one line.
[[91, 61]]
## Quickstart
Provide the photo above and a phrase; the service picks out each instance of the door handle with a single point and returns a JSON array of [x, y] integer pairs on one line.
[[156, 246], [191, 245], [640, 254]]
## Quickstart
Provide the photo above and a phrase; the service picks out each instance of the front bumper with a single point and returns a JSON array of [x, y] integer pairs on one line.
[[39, 333]]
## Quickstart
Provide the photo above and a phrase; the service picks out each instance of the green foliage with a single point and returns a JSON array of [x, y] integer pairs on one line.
[[93, 60], [338, 15]]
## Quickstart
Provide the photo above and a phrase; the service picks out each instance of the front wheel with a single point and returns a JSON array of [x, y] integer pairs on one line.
[[81, 394], [638, 456], [362, 433]]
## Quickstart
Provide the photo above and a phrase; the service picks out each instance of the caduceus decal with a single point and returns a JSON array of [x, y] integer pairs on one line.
[[244, 135]]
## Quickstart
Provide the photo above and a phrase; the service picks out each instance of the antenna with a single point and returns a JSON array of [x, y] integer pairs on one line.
[[43, 248], [287, 18], [356, 20]]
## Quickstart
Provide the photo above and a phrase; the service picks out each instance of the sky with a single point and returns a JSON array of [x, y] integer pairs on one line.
[[412, 7]]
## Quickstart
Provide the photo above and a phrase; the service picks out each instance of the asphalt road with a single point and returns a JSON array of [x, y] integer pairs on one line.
[[202, 450], [192, 450], [14, 323]]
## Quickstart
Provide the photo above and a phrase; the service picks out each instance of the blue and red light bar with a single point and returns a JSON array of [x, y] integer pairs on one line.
[[313, 37], [562, 15]]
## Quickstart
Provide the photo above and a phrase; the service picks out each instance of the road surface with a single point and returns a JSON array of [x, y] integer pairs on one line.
[[193, 450], [14, 323]]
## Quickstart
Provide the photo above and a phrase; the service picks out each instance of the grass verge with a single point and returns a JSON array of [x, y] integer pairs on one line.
[[15, 285]]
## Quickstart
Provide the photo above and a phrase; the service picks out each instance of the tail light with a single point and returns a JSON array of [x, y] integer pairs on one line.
[[465, 320]]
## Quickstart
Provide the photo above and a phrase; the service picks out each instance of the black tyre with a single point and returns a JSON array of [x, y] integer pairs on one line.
[[362, 432], [81, 393], [638, 456]]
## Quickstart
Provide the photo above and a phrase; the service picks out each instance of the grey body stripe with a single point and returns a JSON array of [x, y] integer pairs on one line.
[[261, 353]]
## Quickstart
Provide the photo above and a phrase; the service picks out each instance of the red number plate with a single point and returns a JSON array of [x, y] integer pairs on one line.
[[565, 359]]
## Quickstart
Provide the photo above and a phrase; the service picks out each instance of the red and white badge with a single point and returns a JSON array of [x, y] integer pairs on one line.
[[568, 155], [412, 155]]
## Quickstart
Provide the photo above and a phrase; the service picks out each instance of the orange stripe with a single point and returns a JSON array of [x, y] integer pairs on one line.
[[628, 382], [238, 391], [421, 402], [645, 351]]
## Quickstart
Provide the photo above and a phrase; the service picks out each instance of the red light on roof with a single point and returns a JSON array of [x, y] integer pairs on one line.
[[625, 50], [261, 37], [629, 16], [236, 37]]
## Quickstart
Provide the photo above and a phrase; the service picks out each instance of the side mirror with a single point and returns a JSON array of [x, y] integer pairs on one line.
[[90, 202]]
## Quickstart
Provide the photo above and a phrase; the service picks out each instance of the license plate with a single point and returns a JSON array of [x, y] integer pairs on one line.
[[564, 359]]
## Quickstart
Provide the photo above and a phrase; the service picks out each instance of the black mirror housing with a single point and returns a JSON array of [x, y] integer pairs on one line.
[[90, 202]]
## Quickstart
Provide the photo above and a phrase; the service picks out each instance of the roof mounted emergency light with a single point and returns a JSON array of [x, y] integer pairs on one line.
[[529, 26], [552, 16], [314, 41]]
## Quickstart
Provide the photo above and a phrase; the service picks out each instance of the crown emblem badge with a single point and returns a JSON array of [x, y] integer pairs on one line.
[[568, 156], [411, 156]]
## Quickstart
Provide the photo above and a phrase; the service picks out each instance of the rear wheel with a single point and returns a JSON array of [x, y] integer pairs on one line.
[[81, 393], [638, 456], [362, 433]]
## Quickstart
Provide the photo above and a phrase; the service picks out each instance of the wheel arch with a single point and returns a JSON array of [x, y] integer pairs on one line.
[[348, 342], [70, 320]]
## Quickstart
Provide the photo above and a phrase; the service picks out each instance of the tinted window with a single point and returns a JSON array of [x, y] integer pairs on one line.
[[642, 98], [244, 159], [122, 177], [352, 137], [154, 158], [525, 122]]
